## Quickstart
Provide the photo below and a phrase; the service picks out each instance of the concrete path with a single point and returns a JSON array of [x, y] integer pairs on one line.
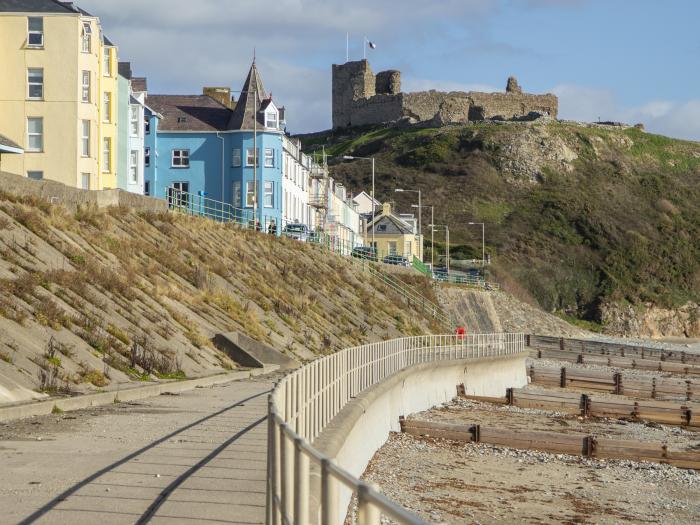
[[196, 457]]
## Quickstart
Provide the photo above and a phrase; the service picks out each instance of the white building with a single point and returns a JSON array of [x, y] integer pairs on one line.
[[138, 157], [364, 203], [296, 170], [343, 220]]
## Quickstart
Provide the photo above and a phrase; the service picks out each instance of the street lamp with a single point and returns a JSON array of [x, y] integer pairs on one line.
[[350, 157], [400, 190], [432, 220], [483, 245], [447, 243]]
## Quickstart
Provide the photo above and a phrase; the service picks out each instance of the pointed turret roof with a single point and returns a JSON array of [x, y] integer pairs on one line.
[[248, 105]]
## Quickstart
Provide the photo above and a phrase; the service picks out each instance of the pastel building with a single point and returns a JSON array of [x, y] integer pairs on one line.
[[50, 90], [108, 115], [208, 148]]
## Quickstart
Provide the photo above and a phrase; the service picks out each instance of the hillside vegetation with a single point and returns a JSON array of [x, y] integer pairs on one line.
[[591, 221], [100, 298]]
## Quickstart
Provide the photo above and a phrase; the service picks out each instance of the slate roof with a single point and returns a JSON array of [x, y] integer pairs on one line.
[[139, 84], [7, 143], [189, 112], [248, 105], [392, 226], [37, 6]]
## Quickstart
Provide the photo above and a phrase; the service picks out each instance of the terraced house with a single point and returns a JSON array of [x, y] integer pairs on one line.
[[217, 154], [59, 94]]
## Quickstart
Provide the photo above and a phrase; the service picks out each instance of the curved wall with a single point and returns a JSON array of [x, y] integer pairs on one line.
[[361, 428]]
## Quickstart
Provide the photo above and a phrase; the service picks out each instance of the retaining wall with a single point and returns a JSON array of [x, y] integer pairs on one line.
[[361, 428]]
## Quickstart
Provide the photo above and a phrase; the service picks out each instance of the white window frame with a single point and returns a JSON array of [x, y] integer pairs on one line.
[[107, 107], [146, 125], [106, 154], [134, 125], [147, 156], [249, 152], [39, 134], [31, 32], [35, 83], [269, 157], [83, 177], [107, 62], [271, 119], [236, 157], [249, 194], [134, 166], [268, 194], [182, 156], [86, 93], [86, 36], [85, 133]]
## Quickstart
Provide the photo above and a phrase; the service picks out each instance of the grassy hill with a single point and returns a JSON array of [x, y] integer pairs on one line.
[[95, 299], [583, 219]]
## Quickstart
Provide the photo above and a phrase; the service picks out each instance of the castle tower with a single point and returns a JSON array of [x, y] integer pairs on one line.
[[351, 81]]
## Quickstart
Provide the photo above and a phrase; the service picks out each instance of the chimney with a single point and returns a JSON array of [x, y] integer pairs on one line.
[[386, 208], [124, 69], [220, 94]]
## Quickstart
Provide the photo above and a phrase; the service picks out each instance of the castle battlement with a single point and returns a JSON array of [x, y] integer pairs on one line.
[[360, 98]]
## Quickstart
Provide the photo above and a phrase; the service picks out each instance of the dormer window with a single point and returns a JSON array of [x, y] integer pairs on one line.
[[271, 118], [180, 120], [87, 34]]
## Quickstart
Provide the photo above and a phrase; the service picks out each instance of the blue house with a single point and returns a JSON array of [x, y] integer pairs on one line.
[[202, 153]]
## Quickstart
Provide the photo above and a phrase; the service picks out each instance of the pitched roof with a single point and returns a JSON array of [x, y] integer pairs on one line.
[[138, 83], [189, 112], [248, 105], [36, 6], [9, 146], [392, 225]]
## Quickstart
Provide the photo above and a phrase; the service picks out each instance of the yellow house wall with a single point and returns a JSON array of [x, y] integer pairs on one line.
[[383, 241], [108, 123], [59, 59]]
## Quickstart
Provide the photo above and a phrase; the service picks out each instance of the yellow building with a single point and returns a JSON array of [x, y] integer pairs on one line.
[[393, 235], [50, 90], [107, 154]]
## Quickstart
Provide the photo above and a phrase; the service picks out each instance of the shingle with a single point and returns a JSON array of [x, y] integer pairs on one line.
[[139, 84], [189, 112], [36, 6]]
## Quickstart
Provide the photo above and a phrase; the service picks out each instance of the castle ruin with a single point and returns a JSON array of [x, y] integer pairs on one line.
[[360, 98]]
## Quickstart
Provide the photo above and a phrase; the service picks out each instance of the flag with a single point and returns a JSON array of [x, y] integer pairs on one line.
[[371, 45]]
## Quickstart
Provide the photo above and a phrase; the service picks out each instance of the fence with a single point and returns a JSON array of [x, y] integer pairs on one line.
[[305, 401]]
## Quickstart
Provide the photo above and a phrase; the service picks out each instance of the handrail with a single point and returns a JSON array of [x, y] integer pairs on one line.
[[303, 403]]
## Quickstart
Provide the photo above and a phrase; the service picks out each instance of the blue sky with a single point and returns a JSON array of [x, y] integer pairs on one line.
[[628, 60]]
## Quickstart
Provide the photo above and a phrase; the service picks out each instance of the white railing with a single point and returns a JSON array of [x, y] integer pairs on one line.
[[306, 400]]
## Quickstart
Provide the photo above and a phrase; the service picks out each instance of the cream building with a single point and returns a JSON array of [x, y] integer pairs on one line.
[[393, 235], [50, 90]]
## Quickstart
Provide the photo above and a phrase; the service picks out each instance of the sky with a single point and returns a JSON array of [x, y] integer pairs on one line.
[[622, 60]]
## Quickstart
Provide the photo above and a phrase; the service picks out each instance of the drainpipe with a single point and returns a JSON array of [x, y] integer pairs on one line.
[[223, 143]]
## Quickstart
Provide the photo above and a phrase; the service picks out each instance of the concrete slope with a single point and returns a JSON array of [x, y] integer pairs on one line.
[[482, 312], [249, 352]]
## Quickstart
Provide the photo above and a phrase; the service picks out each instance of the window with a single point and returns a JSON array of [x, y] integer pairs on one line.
[[236, 194], [85, 138], [35, 82], [147, 188], [269, 158], [35, 175], [87, 40], [134, 166], [147, 156], [107, 107], [134, 120], [35, 33], [249, 155], [236, 158], [268, 196], [392, 247], [249, 194], [85, 181], [271, 119], [106, 155], [181, 158], [146, 125], [35, 134], [107, 62], [86, 86], [178, 194]]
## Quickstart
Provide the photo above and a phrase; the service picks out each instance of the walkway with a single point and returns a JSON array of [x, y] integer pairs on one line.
[[198, 457]]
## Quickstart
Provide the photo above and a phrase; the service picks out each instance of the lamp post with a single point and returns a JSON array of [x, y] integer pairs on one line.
[[400, 190], [447, 243], [483, 241], [432, 220], [350, 157]]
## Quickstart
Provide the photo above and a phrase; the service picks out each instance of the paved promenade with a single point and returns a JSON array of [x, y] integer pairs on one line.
[[196, 457]]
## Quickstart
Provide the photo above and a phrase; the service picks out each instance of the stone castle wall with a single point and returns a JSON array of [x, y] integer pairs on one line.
[[362, 98]]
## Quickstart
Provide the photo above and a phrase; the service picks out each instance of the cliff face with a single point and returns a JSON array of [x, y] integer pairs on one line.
[[647, 320], [577, 215]]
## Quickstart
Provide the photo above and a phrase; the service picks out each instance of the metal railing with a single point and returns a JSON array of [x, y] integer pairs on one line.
[[306, 400]]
